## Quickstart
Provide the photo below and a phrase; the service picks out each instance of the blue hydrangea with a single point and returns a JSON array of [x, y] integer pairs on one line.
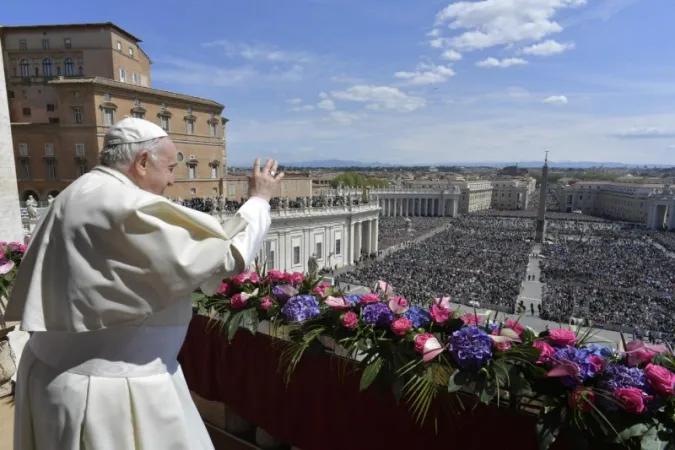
[[579, 356], [300, 308], [378, 314], [492, 326], [599, 350], [354, 299], [620, 376], [471, 348], [418, 316]]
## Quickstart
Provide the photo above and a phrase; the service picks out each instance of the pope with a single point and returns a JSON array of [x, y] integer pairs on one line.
[[104, 289]]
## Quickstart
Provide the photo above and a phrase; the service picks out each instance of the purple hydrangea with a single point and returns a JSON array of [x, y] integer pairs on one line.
[[470, 347], [300, 308], [283, 292], [620, 376], [579, 356], [599, 350], [378, 314], [418, 316]]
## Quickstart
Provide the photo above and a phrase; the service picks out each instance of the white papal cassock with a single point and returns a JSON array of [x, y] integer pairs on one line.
[[104, 287]]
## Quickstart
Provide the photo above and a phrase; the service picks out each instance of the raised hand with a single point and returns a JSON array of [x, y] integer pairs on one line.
[[264, 183]]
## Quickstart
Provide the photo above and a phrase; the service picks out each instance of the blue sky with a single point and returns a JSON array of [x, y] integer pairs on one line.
[[414, 81]]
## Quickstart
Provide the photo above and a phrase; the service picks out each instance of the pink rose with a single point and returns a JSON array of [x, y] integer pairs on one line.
[[239, 300], [266, 303], [224, 289], [501, 346], [247, 275], [562, 337], [398, 305], [597, 363], [581, 399], [438, 314], [369, 298], [275, 276], [2, 255], [295, 278], [546, 351], [428, 346], [639, 353], [400, 326], [471, 319], [661, 379], [318, 291], [442, 302], [632, 399], [339, 303], [515, 326], [349, 320]]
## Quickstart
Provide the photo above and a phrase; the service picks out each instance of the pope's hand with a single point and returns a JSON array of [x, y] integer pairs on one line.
[[264, 183]]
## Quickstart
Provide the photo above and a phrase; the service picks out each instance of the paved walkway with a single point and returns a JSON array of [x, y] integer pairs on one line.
[[531, 292], [6, 423]]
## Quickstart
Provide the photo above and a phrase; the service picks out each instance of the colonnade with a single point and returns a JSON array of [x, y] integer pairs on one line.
[[363, 235], [661, 214], [418, 205]]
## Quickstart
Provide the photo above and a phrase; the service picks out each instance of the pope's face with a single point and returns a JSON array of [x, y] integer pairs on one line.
[[155, 174]]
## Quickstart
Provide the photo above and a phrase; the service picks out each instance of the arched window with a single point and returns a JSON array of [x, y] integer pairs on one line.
[[25, 68], [69, 66], [47, 67]]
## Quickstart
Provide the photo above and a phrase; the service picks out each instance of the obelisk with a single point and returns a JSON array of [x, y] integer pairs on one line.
[[543, 191], [10, 213]]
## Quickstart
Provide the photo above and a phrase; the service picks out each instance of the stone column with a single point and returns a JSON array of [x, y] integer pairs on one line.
[[352, 245], [10, 213], [375, 234], [357, 240], [671, 218], [367, 235]]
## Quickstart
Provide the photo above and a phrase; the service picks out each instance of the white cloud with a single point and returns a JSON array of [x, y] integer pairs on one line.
[[556, 100], [439, 42], [645, 133], [488, 23], [427, 74], [326, 104], [257, 51], [294, 101], [345, 79], [502, 64], [451, 55], [323, 95], [344, 117], [380, 98], [302, 108], [434, 33], [548, 48]]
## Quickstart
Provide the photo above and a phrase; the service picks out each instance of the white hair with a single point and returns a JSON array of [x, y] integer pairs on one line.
[[120, 156]]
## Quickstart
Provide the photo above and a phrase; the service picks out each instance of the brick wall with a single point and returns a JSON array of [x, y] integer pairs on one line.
[[10, 215]]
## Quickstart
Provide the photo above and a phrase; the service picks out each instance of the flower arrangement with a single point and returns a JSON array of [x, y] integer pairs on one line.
[[11, 254], [592, 394]]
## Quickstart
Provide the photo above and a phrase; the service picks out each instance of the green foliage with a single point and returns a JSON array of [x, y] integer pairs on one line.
[[356, 179], [370, 373]]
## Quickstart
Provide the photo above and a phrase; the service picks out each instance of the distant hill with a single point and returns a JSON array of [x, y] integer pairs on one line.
[[336, 163]]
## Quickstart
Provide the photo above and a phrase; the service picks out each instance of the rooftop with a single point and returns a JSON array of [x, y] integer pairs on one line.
[[99, 81], [72, 25]]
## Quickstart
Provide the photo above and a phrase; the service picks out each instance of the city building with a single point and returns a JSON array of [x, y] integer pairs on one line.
[[514, 194], [67, 83]]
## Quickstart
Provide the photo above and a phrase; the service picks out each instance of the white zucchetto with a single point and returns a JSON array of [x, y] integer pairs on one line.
[[131, 130]]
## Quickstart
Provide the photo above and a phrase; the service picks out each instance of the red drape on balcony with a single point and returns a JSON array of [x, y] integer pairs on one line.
[[320, 411]]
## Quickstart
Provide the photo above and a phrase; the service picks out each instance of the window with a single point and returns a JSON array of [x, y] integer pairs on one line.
[[22, 44], [192, 172], [338, 246], [193, 191], [24, 172], [45, 44], [179, 157], [66, 43], [190, 126], [212, 129], [230, 189], [139, 115], [107, 97], [26, 112], [77, 115], [296, 255], [319, 250], [50, 107], [134, 77], [69, 67], [189, 110], [81, 169], [163, 105], [25, 68], [137, 102], [51, 169], [123, 75], [23, 149], [108, 116], [119, 46], [214, 172], [131, 52], [164, 123], [79, 149], [49, 149], [76, 94], [47, 67]]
